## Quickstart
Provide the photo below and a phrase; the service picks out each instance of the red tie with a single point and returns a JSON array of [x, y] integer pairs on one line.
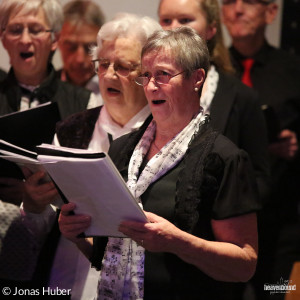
[[246, 78]]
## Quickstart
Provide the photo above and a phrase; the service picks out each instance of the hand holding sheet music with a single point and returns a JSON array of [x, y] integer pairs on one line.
[[92, 182], [88, 179]]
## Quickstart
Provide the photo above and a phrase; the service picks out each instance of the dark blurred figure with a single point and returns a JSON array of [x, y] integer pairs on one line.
[[2, 74], [275, 75]]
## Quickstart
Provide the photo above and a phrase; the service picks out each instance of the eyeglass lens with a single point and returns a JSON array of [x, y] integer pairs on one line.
[[122, 69]]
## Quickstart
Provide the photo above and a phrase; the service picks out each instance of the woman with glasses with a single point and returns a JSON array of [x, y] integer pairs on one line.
[[196, 188], [117, 63]]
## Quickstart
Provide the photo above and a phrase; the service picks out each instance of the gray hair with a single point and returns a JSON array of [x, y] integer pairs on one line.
[[52, 9], [187, 48], [125, 25], [83, 11]]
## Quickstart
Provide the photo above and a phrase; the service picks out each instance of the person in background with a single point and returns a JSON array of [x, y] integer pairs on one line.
[[275, 75], [29, 32], [2, 74], [82, 21], [117, 60], [234, 108], [196, 187]]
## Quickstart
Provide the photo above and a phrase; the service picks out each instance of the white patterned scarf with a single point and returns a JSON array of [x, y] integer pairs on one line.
[[211, 85], [122, 271]]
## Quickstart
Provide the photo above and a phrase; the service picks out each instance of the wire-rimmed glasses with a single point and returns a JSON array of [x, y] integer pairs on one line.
[[159, 78], [15, 31], [123, 69]]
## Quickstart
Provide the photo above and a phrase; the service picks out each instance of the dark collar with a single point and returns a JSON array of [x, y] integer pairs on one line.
[[261, 57], [44, 93]]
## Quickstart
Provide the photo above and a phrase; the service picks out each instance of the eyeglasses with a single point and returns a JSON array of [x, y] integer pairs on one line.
[[72, 47], [159, 78], [250, 2], [15, 31], [123, 69]]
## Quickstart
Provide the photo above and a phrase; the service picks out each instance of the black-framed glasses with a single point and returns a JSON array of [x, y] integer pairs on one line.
[[15, 31], [159, 78], [250, 2], [123, 69]]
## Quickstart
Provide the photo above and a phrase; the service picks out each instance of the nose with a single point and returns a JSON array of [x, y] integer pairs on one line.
[[152, 85], [175, 24], [110, 72], [239, 5], [25, 36], [80, 54]]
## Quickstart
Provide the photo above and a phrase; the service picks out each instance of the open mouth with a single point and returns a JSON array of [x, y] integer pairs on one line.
[[158, 101], [112, 90], [25, 55]]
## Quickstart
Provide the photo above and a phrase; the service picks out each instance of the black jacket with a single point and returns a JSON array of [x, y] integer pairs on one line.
[[70, 98]]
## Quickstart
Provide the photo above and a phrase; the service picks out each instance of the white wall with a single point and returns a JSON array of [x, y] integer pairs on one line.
[[149, 8]]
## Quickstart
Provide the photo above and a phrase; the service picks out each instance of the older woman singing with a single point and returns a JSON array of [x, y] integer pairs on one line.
[[196, 187]]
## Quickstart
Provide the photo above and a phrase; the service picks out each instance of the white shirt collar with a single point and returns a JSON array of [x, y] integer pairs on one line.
[[105, 125]]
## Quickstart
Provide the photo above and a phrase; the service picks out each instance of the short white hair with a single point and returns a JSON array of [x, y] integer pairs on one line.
[[125, 25]]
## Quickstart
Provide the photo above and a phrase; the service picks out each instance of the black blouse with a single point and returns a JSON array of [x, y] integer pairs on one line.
[[227, 188]]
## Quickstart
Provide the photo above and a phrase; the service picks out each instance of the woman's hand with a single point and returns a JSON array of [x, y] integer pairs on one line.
[[72, 225], [232, 257], [37, 193], [155, 236]]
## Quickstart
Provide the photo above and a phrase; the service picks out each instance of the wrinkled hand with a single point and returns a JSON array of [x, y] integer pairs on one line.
[[287, 146], [72, 225], [38, 194], [155, 236], [11, 190]]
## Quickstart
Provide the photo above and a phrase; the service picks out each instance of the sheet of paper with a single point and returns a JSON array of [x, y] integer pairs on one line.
[[97, 189]]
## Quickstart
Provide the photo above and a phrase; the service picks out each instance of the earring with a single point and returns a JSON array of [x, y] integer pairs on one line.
[[196, 89]]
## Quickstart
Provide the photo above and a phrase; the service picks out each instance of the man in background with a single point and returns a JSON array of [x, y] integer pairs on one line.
[[275, 75], [82, 21]]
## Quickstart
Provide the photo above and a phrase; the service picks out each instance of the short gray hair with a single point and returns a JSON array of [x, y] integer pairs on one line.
[[187, 48], [83, 11], [52, 9], [125, 25]]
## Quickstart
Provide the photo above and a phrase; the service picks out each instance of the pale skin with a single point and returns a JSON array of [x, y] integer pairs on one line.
[[123, 99], [232, 257], [30, 70], [247, 25]]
